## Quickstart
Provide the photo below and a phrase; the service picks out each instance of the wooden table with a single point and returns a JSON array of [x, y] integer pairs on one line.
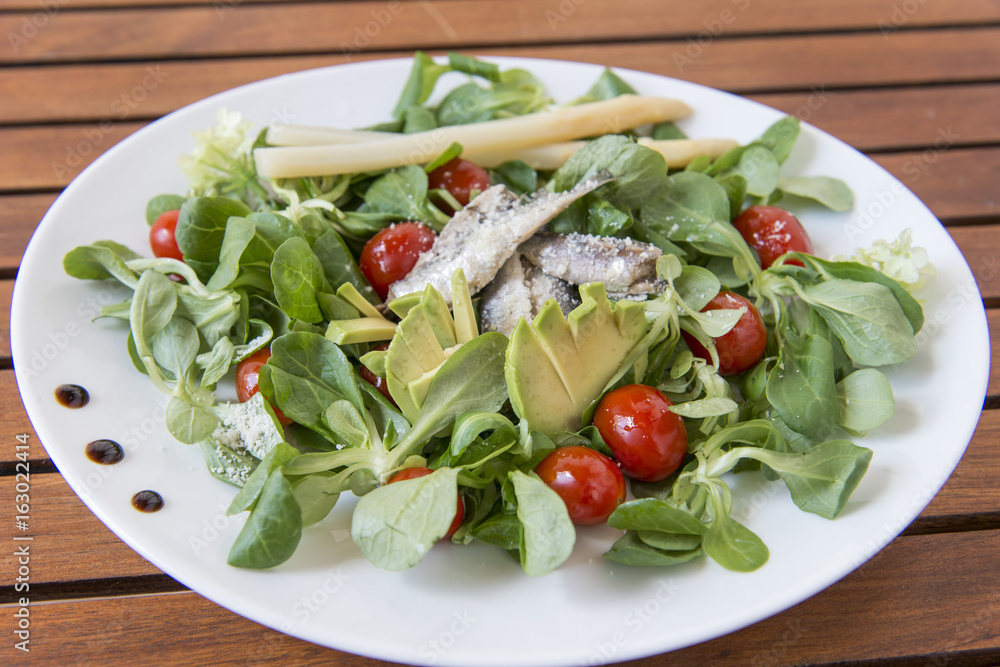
[[914, 84]]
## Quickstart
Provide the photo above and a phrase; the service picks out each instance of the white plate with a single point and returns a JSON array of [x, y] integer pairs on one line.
[[473, 605]]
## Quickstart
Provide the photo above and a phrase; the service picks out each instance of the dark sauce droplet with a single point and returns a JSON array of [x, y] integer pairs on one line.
[[105, 452], [147, 501], [72, 395]]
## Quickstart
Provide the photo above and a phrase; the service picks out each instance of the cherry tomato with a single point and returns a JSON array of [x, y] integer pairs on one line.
[[743, 345], [247, 374], [772, 232], [161, 236], [376, 381], [459, 177], [413, 473], [648, 440], [391, 253], [589, 483]]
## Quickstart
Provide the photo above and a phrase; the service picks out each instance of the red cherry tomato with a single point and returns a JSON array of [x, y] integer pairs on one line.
[[772, 232], [413, 473], [161, 236], [648, 440], [459, 177], [391, 253], [376, 381], [743, 345], [247, 374], [589, 483]]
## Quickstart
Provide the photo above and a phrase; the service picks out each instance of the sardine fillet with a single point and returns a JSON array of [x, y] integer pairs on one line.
[[484, 235], [520, 289], [625, 266]]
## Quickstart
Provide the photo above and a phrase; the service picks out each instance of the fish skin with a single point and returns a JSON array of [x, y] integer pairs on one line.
[[520, 289], [483, 235], [625, 266]]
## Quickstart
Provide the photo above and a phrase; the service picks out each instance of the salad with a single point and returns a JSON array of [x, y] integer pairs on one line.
[[481, 325]]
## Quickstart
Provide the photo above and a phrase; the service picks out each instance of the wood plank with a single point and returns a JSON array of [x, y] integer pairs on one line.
[[747, 65], [993, 320], [898, 118], [197, 31], [6, 294], [68, 528], [867, 119], [980, 245], [49, 157], [25, 6], [786, 15], [953, 182], [70, 543], [901, 603], [19, 215], [132, 91], [14, 420], [972, 488]]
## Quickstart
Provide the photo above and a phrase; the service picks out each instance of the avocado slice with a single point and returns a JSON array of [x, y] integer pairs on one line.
[[368, 328], [556, 367], [424, 339]]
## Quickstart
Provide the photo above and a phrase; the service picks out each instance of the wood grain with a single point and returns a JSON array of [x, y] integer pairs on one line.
[[6, 294], [870, 120], [70, 543], [777, 15], [954, 182], [228, 27], [898, 605], [50, 156], [14, 420], [19, 215], [972, 488], [68, 528], [898, 118], [980, 245]]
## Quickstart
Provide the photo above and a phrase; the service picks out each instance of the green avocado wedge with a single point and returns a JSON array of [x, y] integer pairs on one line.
[[423, 340], [556, 367]]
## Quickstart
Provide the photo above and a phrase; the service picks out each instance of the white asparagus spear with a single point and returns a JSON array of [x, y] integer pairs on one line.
[[309, 135], [676, 152], [563, 124]]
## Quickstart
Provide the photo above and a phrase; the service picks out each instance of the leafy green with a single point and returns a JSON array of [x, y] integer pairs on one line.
[[396, 525], [298, 280], [160, 204], [547, 534], [830, 192], [272, 533], [866, 317], [865, 400]]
